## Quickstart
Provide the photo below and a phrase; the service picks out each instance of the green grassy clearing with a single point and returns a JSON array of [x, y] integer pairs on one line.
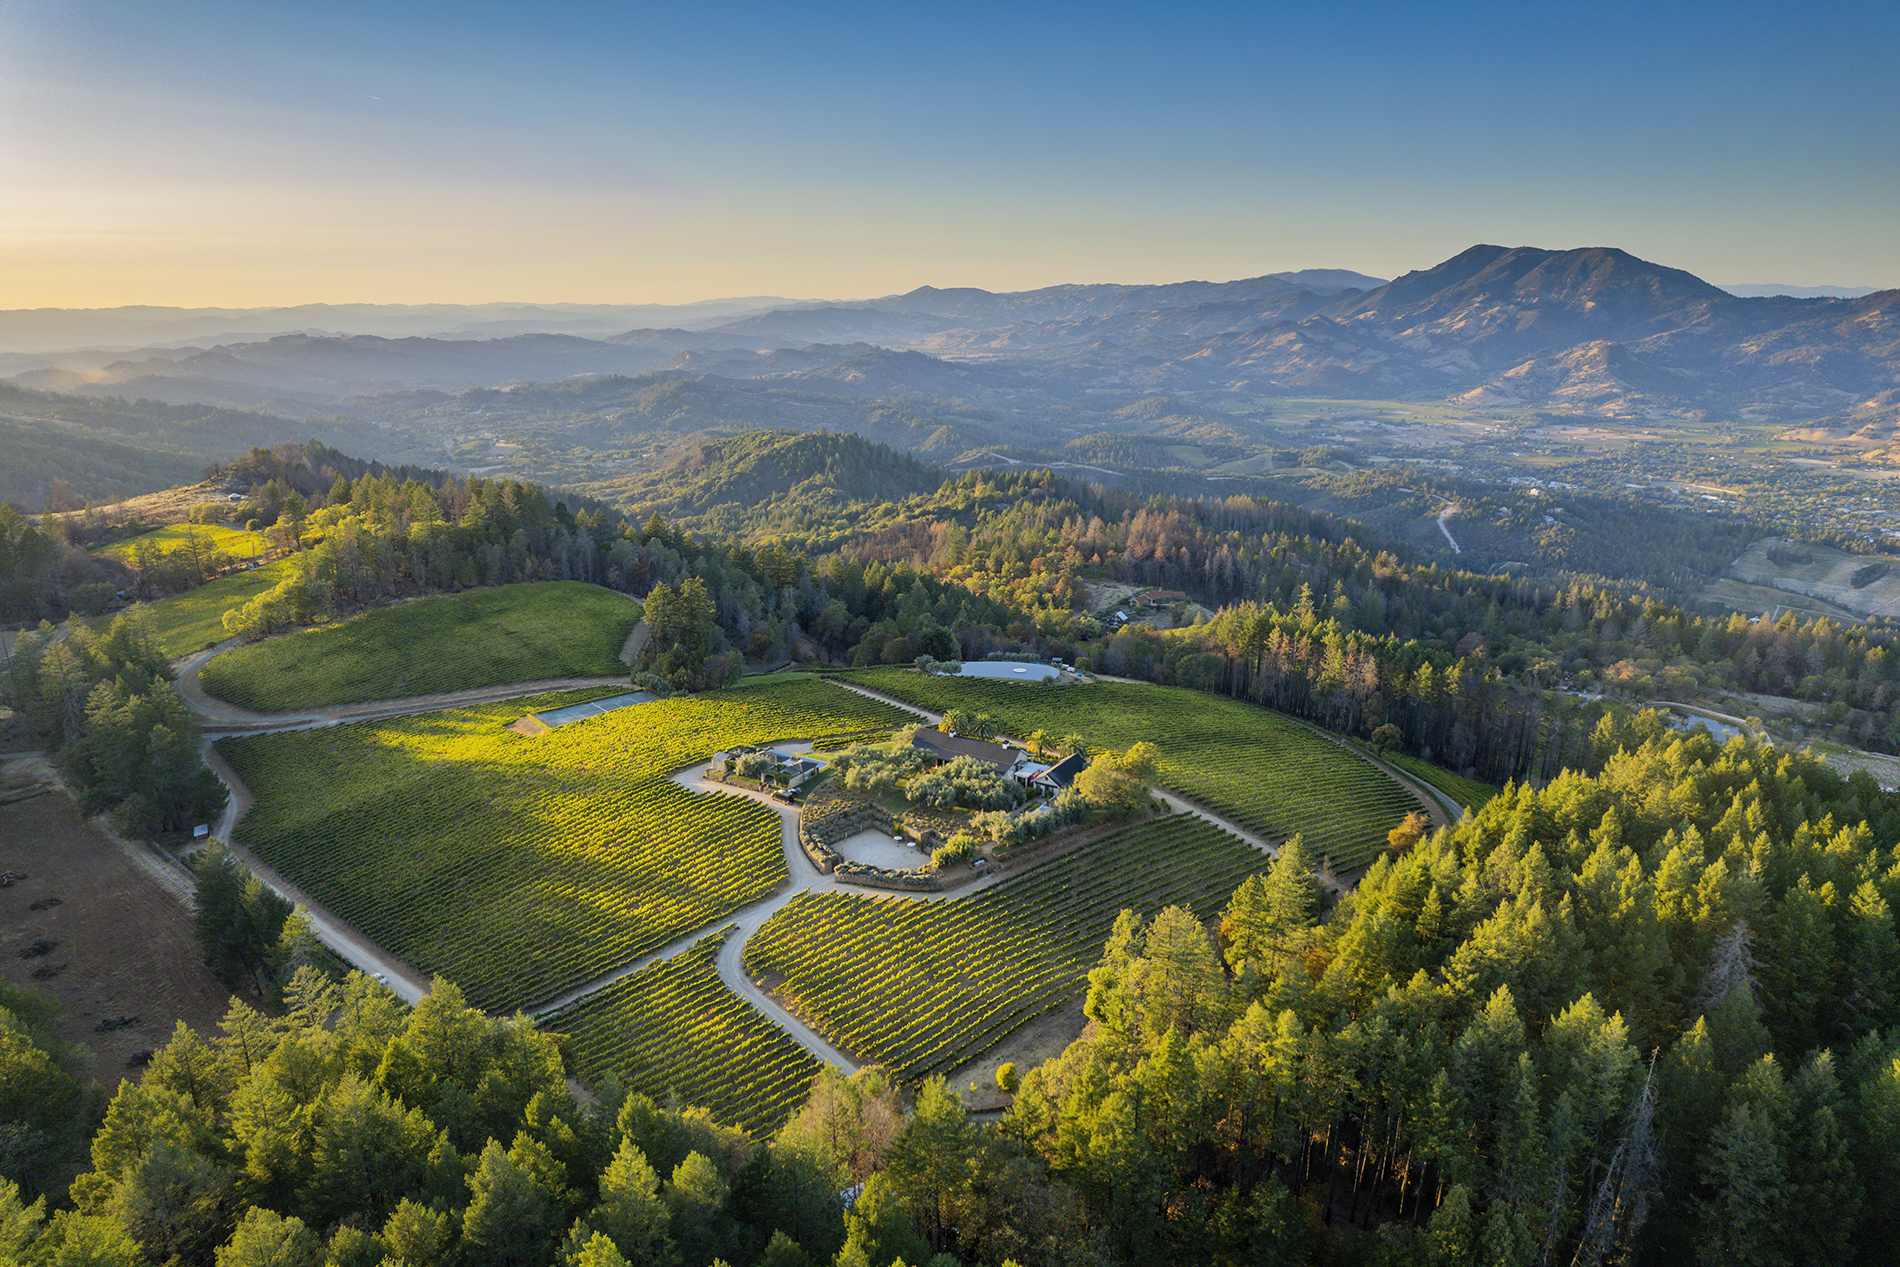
[[178, 538], [925, 987], [522, 867], [449, 642], [1254, 766], [675, 1027], [194, 620]]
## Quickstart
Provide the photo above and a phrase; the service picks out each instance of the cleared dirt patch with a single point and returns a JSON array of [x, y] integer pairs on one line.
[[99, 935], [170, 505], [1026, 1048], [1884, 768]]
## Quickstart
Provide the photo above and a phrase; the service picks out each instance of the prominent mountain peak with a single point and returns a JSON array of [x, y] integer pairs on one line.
[[1510, 302], [1529, 273]]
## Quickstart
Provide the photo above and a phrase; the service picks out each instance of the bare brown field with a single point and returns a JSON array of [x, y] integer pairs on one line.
[[122, 956], [1028, 1047], [1586, 436]]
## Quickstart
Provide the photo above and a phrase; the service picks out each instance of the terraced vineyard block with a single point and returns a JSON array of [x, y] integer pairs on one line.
[[925, 987], [522, 867], [194, 620], [675, 1027]]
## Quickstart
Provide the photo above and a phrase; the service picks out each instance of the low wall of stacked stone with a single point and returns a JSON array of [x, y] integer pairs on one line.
[[818, 835]]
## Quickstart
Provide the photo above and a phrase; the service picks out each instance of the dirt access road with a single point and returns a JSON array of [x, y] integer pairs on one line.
[[805, 878], [1443, 515]]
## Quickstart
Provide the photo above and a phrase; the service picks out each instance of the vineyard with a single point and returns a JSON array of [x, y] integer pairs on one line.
[[484, 637], [675, 1027], [925, 987], [1256, 767], [1467, 792], [521, 867]]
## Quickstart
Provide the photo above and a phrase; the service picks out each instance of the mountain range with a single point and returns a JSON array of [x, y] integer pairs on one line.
[[1591, 331]]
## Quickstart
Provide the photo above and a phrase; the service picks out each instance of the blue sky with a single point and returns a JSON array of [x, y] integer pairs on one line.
[[244, 154]]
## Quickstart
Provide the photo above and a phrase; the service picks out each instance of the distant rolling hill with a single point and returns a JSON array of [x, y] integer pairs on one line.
[[1591, 330], [1762, 290], [773, 479]]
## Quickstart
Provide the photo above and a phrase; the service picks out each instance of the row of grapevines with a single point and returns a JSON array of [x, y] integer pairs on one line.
[[674, 1027], [925, 987], [522, 867], [1470, 793], [1249, 764]]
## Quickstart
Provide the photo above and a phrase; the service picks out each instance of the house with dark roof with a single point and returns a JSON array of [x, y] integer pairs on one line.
[[1048, 780], [1061, 775], [939, 747], [794, 767]]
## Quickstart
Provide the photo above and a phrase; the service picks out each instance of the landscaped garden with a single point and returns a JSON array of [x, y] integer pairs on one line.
[[675, 1027], [484, 637], [521, 867], [1264, 771], [926, 986]]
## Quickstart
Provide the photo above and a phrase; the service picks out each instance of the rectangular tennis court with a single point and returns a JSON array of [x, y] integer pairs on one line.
[[592, 708]]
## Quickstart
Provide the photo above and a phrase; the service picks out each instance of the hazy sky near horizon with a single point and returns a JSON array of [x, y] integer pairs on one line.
[[242, 155]]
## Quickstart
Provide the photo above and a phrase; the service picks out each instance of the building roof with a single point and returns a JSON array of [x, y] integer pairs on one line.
[[950, 747], [1063, 772]]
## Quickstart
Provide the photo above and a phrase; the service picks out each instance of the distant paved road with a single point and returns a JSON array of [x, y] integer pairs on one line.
[[1443, 515]]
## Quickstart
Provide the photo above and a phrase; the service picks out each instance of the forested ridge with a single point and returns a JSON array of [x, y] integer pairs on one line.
[[1317, 618]]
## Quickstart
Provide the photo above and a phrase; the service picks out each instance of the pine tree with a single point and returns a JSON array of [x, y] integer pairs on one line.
[[696, 1198], [1453, 1229], [1506, 1242], [512, 1220], [417, 1235], [1745, 1167], [1824, 1192], [630, 1211], [267, 1239]]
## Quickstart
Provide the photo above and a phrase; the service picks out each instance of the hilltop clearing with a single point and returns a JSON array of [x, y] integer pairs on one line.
[[517, 633]]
